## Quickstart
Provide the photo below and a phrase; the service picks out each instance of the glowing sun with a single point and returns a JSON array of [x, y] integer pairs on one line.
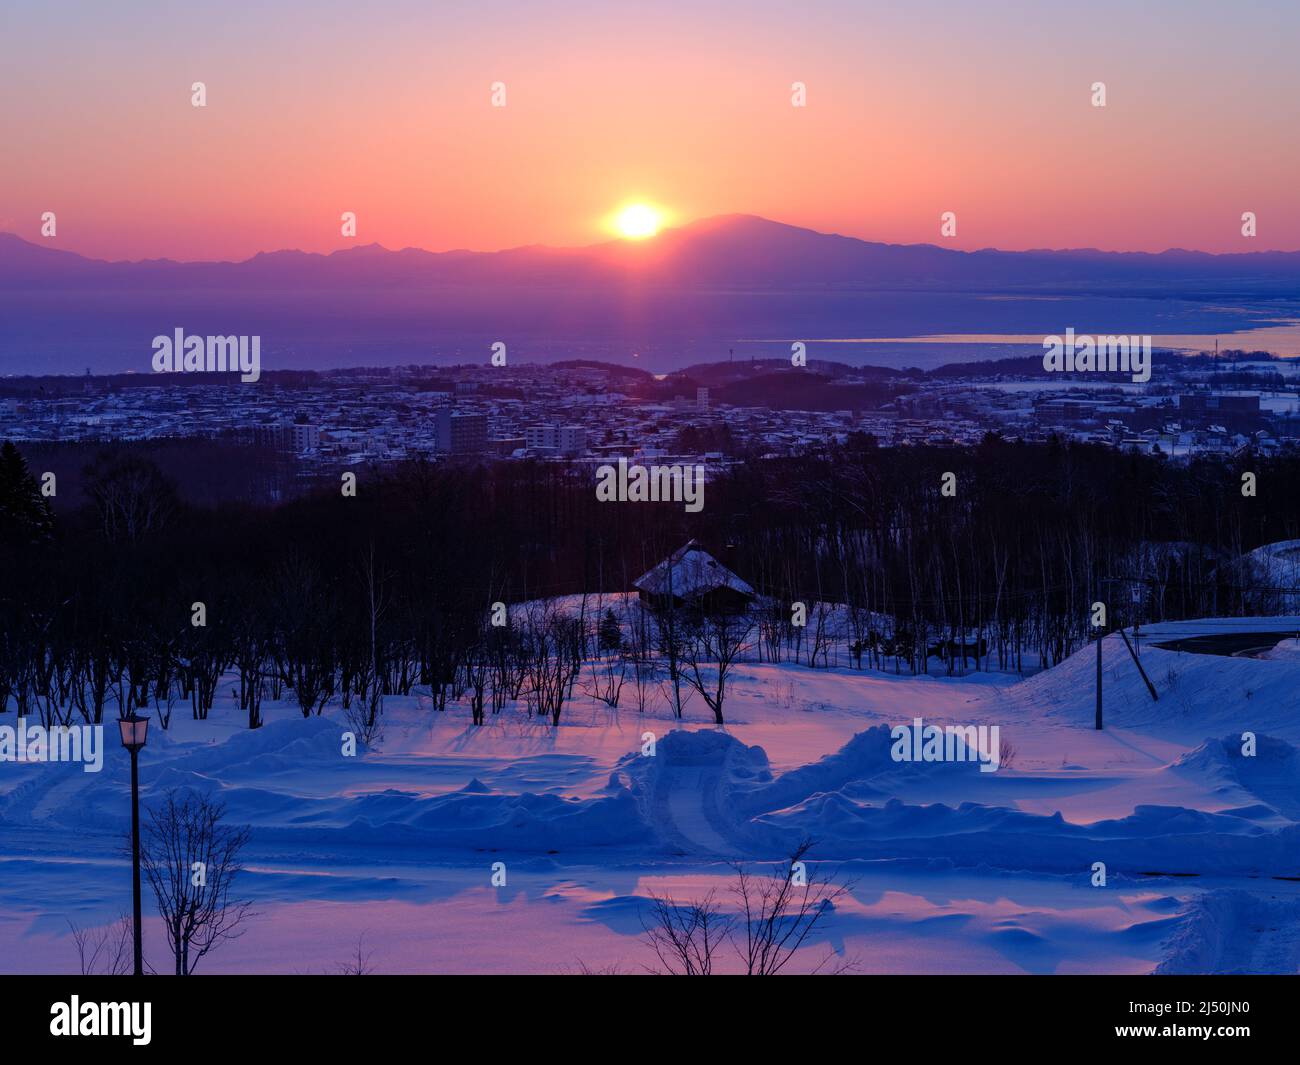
[[637, 221]]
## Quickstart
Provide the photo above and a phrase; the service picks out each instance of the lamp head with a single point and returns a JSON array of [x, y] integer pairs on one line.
[[135, 730]]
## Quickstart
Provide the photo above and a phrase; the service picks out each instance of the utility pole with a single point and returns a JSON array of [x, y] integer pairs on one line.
[[1101, 635], [1136, 596], [1137, 621], [1155, 698]]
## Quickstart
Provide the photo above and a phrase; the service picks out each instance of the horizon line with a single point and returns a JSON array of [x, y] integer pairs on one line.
[[650, 243]]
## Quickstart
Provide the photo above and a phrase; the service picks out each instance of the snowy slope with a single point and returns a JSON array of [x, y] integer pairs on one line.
[[955, 870]]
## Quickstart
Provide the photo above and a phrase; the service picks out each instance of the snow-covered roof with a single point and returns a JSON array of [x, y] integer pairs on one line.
[[690, 571], [1278, 563]]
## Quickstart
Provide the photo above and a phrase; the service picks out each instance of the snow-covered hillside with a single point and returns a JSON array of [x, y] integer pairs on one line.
[[952, 869]]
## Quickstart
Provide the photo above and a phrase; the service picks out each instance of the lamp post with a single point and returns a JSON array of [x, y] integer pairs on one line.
[[134, 732]]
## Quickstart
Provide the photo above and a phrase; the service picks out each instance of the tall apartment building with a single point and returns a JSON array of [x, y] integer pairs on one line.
[[460, 433]]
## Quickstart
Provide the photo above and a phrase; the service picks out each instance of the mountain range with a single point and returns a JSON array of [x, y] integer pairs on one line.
[[729, 251], [733, 285]]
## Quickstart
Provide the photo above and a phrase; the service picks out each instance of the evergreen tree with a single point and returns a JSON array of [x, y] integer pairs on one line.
[[611, 636], [25, 515]]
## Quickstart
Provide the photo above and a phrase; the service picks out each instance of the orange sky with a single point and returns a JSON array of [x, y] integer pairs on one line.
[[315, 109]]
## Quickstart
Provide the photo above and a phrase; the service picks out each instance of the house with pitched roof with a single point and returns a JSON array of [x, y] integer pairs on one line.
[[691, 577]]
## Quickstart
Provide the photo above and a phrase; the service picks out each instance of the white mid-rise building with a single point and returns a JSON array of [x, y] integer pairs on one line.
[[540, 437], [572, 439]]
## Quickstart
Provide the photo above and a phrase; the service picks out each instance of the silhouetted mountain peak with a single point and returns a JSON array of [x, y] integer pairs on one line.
[[731, 250]]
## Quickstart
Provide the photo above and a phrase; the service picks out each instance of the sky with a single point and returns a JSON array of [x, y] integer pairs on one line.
[[385, 109]]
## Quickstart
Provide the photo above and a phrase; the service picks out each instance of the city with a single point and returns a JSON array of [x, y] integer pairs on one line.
[[592, 412]]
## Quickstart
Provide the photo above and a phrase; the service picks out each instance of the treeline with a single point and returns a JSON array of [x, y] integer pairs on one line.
[[985, 556], [205, 470]]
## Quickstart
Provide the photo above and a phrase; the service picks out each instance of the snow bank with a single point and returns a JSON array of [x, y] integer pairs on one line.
[[1199, 693], [1152, 840], [1271, 774], [864, 763], [1234, 932], [478, 820], [261, 777]]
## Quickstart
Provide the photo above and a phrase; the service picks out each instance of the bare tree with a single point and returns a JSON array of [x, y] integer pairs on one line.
[[719, 640], [377, 603], [191, 860], [685, 937], [552, 661], [366, 725], [779, 913], [131, 494], [477, 669], [671, 640], [164, 701], [583, 969], [359, 962], [776, 917], [107, 951], [819, 635], [608, 673]]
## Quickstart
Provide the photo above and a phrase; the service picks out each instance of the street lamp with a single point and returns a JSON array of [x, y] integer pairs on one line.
[[134, 732]]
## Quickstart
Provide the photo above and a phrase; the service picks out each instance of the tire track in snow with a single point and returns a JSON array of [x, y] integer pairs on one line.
[[685, 788]]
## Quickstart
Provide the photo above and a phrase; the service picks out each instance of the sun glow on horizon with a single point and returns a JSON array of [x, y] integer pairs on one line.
[[637, 221]]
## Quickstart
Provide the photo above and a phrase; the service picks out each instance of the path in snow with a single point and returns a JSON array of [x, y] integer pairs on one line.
[[685, 789]]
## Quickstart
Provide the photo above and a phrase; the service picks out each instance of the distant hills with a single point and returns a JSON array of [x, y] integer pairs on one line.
[[730, 251], [733, 286]]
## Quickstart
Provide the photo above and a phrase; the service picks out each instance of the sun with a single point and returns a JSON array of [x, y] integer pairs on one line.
[[637, 221]]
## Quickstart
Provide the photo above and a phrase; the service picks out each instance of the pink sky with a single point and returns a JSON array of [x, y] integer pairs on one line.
[[316, 109]]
